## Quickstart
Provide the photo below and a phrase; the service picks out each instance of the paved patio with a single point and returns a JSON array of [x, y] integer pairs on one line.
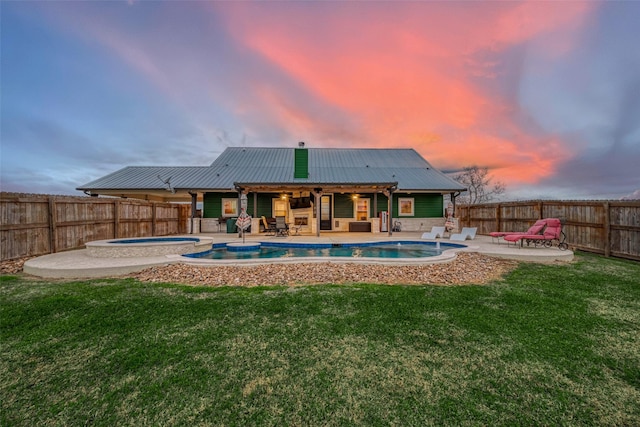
[[79, 264]]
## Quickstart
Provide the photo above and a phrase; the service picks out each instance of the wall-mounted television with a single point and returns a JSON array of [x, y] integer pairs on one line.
[[300, 202]]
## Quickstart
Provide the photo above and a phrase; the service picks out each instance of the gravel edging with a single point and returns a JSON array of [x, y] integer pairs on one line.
[[467, 268], [13, 266]]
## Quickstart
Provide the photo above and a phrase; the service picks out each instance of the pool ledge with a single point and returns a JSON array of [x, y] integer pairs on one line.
[[78, 264], [149, 248], [447, 256]]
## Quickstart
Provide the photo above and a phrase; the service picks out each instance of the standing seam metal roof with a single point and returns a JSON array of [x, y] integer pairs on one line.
[[276, 166]]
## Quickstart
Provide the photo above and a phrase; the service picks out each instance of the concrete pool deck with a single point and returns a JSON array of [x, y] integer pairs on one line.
[[79, 264]]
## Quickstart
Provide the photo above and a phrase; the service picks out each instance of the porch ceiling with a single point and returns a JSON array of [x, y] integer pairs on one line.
[[181, 195], [326, 188]]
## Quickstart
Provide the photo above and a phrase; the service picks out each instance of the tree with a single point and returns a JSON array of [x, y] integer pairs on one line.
[[479, 186]]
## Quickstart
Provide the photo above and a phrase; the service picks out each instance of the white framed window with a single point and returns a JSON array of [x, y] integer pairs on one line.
[[406, 206], [229, 208]]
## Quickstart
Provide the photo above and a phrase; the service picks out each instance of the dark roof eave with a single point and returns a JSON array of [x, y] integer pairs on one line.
[[432, 190], [313, 184], [200, 190], [276, 184]]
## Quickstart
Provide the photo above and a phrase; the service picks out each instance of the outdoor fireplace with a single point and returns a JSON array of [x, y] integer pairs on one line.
[[302, 221]]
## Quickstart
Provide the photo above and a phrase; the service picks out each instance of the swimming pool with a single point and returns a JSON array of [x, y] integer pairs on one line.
[[384, 250]]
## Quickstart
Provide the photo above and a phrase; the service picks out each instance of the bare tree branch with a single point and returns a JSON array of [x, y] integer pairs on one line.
[[479, 186]]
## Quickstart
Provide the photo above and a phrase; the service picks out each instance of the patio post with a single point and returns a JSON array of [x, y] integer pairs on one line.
[[317, 194], [255, 204], [194, 208], [389, 193]]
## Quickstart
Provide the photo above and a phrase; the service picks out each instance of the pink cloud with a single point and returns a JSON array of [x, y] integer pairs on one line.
[[406, 73], [380, 74]]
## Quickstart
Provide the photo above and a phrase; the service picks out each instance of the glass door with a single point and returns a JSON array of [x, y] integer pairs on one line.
[[325, 212], [280, 208]]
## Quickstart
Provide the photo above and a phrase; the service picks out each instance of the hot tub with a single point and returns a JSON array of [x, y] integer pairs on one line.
[[148, 246]]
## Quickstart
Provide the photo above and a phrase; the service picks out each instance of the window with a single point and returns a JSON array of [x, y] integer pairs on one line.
[[229, 207], [362, 209], [406, 206]]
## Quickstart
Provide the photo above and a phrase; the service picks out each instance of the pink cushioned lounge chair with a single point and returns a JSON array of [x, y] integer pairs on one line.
[[552, 233], [534, 229]]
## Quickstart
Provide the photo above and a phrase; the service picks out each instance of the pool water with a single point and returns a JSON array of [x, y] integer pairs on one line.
[[355, 250]]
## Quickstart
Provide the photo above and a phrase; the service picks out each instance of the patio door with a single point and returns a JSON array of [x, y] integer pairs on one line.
[[325, 212]]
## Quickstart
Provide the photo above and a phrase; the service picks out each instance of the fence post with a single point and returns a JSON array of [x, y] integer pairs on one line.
[[498, 217], [607, 229], [116, 218], [540, 215], [154, 208], [52, 225]]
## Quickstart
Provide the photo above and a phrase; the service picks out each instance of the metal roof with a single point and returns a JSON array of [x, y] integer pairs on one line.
[[148, 178], [275, 166]]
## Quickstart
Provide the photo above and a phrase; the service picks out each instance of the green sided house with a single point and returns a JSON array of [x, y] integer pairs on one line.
[[315, 189]]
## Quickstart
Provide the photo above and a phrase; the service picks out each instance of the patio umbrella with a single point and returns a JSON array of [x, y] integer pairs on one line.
[[450, 224], [243, 222]]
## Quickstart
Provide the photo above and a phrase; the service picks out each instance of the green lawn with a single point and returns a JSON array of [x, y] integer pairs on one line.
[[549, 345]]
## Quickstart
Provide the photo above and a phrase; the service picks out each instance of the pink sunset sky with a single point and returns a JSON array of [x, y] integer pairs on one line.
[[544, 94]]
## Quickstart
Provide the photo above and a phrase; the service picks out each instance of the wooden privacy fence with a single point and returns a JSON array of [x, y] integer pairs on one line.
[[39, 224], [611, 228]]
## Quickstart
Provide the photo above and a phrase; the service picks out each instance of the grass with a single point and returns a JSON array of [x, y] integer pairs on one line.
[[548, 345]]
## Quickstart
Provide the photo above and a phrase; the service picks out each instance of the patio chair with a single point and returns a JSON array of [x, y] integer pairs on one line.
[[282, 229], [434, 233], [466, 233], [269, 227], [536, 228], [552, 233], [221, 220]]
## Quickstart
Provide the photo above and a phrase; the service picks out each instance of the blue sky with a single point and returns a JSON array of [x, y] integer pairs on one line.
[[545, 94]]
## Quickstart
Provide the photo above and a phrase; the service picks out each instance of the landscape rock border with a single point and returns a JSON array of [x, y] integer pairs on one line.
[[467, 268]]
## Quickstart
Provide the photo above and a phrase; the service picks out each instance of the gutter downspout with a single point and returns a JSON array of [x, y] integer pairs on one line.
[[194, 208], [453, 200]]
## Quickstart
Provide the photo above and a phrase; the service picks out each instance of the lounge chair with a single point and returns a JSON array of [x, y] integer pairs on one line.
[[536, 228], [466, 233], [552, 233], [269, 227], [282, 229], [434, 233]]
